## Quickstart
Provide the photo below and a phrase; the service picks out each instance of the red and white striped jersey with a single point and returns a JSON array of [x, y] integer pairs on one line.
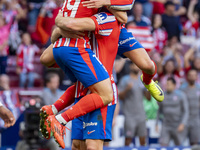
[[143, 35], [75, 9], [25, 57], [105, 46]]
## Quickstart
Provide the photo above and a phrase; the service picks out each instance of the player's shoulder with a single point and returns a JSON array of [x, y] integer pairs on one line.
[[105, 17]]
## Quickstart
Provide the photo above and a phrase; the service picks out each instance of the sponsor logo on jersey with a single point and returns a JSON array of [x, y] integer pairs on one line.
[[89, 124], [89, 132], [125, 41]]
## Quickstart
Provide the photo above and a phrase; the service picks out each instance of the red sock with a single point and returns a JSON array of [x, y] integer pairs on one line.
[[85, 105], [66, 99], [147, 77], [54, 66]]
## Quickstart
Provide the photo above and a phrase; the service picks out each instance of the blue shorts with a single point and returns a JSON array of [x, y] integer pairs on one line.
[[94, 125], [80, 64], [127, 42]]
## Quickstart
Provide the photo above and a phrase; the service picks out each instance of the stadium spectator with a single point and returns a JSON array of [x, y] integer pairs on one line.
[[137, 17], [159, 33], [4, 82], [175, 114], [23, 21], [51, 93], [150, 106], [13, 12], [192, 59], [191, 27], [131, 94], [46, 22], [5, 32], [34, 9], [191, 89], [9, 98], [147, 7], [158, 6], [25, 58], [169, 70], [170, 21]]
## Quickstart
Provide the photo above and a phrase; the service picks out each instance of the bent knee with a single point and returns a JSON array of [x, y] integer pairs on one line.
[[148, 67], [42, 59], [108, 97]]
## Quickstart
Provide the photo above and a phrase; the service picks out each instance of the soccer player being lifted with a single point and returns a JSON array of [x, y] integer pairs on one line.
[[127, 50]]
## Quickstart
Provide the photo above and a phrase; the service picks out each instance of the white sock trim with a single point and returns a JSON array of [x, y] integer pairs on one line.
[[55, 111], [61, 119]]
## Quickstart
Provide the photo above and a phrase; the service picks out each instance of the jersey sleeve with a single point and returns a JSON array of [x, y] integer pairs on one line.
[[122, 4], [103, 23]]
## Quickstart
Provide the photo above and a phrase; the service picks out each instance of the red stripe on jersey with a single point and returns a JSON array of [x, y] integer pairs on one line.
[[72, 42], [87, 60], [56, 45], [63, 41], [104, 116]]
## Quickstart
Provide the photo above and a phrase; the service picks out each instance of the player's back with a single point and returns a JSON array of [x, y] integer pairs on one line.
[[75, 9], [104, 44]]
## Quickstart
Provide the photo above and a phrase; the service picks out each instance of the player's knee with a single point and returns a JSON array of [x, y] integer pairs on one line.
[[148, 67], [108, 97], [42, 59]]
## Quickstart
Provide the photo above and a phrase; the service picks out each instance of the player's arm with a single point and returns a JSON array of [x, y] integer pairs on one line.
[[115, 4], [120, 15], [77, 24]]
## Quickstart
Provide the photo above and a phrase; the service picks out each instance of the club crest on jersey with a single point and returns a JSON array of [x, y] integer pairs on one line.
[[103, 18]]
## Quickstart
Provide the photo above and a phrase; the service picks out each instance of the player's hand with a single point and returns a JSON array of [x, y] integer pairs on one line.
[[96, 3], [7, 117], [180, 128]]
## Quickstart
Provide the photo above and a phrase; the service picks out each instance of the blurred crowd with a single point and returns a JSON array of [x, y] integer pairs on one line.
[[168, 30]]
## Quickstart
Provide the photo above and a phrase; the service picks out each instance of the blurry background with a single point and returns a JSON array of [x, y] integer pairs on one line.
[[169, 31]]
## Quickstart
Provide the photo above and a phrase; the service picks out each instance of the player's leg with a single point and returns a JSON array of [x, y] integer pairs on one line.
[[47, 58], [98, 127], [51, 109], [78, 145], [92, 144], [89, 70], [142, 60], [131, 48], [91, 73]]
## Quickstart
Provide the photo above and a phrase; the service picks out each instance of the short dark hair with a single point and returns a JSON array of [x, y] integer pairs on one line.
[[172, 80], [49, 76], [168, 3]]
